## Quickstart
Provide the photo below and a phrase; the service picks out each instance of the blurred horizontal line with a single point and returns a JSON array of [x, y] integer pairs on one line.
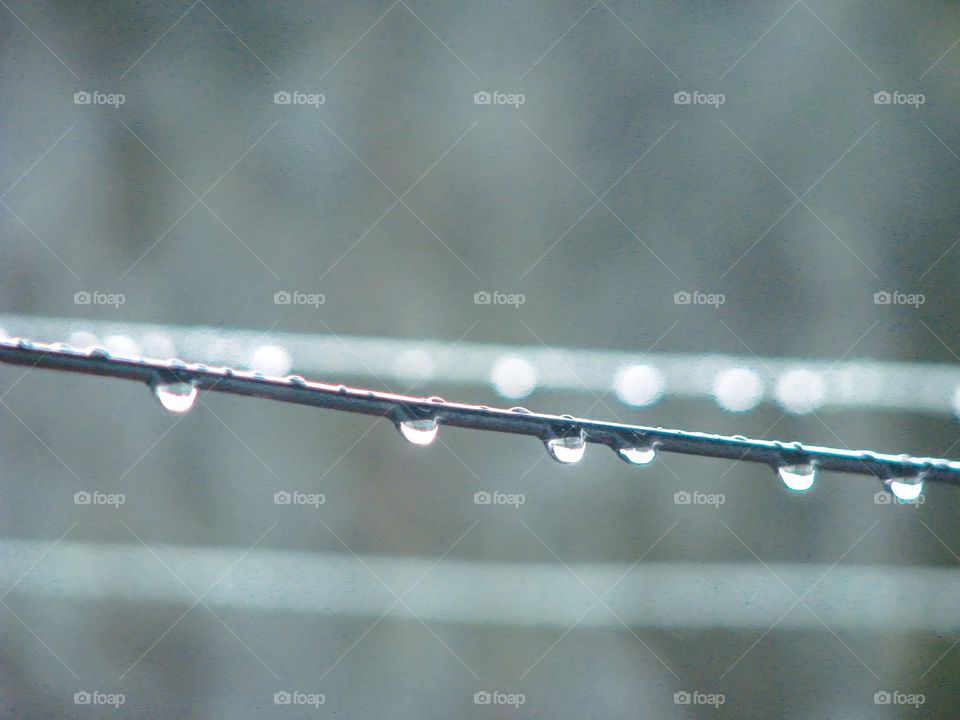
[[735, 383], [680, 595]]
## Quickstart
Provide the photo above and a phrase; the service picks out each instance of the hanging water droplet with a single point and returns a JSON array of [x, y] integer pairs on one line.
[[569, 449], [798, 478], [419, 432], [177, 397], [639, 455], [905, 489]]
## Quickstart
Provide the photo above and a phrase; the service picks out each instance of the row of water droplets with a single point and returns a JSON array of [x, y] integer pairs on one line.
[[570, 449], [179, 397]]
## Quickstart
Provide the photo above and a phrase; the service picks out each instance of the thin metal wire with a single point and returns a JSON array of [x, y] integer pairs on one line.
[[737, 383], [518, 421]]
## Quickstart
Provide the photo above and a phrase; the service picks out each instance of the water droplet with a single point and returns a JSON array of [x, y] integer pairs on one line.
[[567, 417], [436, 399], [177, 397], [271, 360], [521, 410], [638, 385], [737, 389], [639, 455], [801, 391], [83, 340], [296, 380], [513, 377], [905, 489], [122, 345], [569, 449], [419, 432], [98, 352], [798, 478]]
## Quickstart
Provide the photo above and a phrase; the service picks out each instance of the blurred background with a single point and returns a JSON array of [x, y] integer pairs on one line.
[[729, 219]]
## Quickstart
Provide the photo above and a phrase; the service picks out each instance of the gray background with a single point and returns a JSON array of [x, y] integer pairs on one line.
[[493, 198]]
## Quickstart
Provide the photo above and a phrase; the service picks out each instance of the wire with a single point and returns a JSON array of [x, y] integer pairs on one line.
[[736, 383], [176, 384]]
